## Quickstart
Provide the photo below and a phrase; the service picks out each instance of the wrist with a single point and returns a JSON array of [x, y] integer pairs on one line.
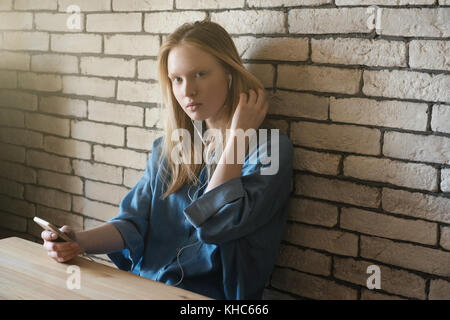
[[80, 239], [237, 146]]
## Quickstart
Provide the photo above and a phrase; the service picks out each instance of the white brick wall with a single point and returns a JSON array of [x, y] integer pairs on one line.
[[301, 105], [416, 204], [6, 5], [319, 162], [21, 137], [39, 82], [114, 22], [386, 226], [18, 100], [48, 124], [429, 54], [97, 171], [76, 43], [412, 175], [359, 51], [105, 192], [120, 157], [138, 45], [12, 60], [86, 5], [322, 21], [167, 22], [138, 91], [16, 21], [35, 5], [282, 48], [236, 21], [406, 255], [68, 147], [336, 137], [18, 40], [88, 86], [417, 147], [365, 102], [337, 190], [97, 132], [141, 5], [115, 113], [407, 85], [313, 212], [440, 119], [421, 22], [315, 78], [63, 182], [44, 160], [445, 180], [54, 63], [394, 114], [383, 2], [63, 106], [56, 22], [108, 67]]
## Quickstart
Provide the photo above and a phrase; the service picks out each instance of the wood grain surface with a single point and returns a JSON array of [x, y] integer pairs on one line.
[[27, 272]]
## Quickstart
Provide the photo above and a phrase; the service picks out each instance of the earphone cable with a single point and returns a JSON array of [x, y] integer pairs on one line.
[[179, 264]]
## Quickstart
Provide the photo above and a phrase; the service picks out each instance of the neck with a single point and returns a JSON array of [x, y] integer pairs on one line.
[[219, 120]]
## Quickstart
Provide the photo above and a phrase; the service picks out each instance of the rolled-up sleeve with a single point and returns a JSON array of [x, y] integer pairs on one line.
[[211, 202], [241, 205]]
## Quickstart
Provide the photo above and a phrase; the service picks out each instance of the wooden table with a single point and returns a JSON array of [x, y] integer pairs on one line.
[[27, 272]]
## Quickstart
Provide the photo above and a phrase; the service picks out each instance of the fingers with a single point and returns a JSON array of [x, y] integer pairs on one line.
[[261, 96], [62, 256], [59, 246], [66, 229], [61, 251], [255, 97], [243, 98], [252, 97], [47, 235]]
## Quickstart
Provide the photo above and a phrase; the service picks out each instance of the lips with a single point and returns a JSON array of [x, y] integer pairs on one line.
[[193, 106]]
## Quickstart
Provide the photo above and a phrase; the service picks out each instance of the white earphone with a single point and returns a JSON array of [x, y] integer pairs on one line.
[[200, 123]]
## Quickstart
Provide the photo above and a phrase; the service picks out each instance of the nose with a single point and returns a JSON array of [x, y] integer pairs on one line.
[[190, 88]]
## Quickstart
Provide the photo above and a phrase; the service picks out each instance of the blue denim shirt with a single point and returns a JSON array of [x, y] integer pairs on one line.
[[230, 235]]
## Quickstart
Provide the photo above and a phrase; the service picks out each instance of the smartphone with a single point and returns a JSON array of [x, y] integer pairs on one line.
[[51, 227]]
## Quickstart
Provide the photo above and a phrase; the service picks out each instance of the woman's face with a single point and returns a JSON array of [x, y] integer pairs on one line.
[[196, 76]]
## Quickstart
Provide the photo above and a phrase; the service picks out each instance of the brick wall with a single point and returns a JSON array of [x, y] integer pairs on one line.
[[366, 86]]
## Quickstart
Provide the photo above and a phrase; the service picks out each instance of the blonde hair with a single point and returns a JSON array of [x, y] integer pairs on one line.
[[213, 39]]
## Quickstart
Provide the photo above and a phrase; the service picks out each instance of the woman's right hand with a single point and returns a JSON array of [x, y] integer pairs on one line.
[[250, 113], [61, 251]]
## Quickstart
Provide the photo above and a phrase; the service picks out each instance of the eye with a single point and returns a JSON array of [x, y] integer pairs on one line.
[[201, 74]]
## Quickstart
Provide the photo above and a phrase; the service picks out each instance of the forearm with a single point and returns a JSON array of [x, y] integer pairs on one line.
[[100, 240], [228, 167]]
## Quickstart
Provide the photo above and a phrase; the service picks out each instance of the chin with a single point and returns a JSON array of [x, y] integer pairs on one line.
[[196, 117]]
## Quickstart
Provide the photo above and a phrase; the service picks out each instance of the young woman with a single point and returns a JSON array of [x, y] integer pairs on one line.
[[210, 226]]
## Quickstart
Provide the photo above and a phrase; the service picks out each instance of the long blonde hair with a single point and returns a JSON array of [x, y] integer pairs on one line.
[[213, 39]]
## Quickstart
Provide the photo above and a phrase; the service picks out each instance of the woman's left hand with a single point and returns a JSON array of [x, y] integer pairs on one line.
[[250, 113]]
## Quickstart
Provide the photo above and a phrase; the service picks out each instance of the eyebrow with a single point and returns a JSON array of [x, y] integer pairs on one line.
[[192, 71]]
